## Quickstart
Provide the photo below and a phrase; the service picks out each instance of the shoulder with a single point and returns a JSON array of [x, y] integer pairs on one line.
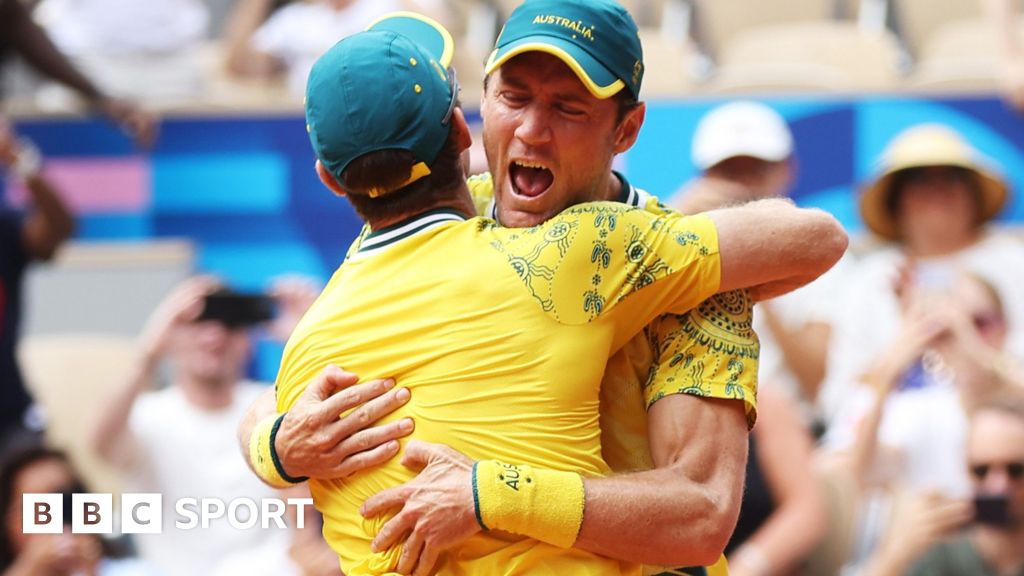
[[953, 557]]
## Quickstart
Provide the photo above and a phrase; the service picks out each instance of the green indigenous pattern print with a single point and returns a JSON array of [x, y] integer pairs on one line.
[[620, 249], [710, 351]]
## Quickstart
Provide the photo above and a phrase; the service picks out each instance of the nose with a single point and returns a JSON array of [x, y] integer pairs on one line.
[[534, 127], [997, 481], [212, 334]]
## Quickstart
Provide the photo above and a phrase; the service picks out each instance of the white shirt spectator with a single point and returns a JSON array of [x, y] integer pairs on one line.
[[124, 27], [187, 452]]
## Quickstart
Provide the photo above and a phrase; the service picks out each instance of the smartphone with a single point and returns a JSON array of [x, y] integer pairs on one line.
[[236, 309], [992, 510]]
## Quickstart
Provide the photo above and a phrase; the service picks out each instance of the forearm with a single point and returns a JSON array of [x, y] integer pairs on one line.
[[656, 517], [804, 349], [51, 221], [242, 60], [36, 47], [111, 437], [773, 247], [866, 444], [789, 535]]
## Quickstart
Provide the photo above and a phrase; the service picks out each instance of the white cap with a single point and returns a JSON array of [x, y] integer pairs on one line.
[[741, 129]]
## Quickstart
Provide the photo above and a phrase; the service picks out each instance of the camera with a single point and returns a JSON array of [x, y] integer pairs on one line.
[[237, 309]]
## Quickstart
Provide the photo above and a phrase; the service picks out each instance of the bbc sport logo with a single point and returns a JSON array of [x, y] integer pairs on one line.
[[143, 513]]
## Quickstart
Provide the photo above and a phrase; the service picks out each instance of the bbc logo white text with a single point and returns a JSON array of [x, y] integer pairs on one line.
[[143, 513]]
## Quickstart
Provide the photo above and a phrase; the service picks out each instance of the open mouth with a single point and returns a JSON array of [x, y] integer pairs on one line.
[[530, 179]]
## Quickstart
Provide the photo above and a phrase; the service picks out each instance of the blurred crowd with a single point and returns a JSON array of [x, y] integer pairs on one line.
[[256, 53], [891, 429]]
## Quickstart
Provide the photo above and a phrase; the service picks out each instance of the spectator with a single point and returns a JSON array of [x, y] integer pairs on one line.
[[24, 239], [910, 419], [745, 152], [179, 441], [19, 33], [293, 37], [31, 468], [782, 516], [148, 50], [932, 199], [994, 545]]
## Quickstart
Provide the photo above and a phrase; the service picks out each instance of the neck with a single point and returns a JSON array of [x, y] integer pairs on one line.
[[1002, 549], [612, 188], [208, 395], [460, 201], [939, 246]]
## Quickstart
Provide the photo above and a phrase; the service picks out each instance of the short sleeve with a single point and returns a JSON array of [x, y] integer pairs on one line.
[[711, 351]]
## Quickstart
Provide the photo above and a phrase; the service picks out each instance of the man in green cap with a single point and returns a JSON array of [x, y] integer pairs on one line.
[[550, 141]]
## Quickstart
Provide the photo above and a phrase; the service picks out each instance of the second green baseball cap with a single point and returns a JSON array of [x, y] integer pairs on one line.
[[388, 88], [597, 39]]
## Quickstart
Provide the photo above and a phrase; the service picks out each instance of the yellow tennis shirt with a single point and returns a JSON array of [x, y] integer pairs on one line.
[[502, 337]]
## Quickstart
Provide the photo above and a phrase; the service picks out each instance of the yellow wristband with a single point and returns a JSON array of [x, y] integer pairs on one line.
[[543, 504], [263, 456]]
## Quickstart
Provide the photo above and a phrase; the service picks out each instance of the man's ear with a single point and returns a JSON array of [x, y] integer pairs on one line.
[[463, 137], [328, 179], [627, 131]]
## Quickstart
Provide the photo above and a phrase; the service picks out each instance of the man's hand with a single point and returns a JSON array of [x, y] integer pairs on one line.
[[313, 441], [183, 305], [919, 524], [435, 509], [139, 124]]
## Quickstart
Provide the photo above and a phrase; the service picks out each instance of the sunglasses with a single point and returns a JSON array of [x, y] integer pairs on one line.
[[453, 85], [1015, 470]]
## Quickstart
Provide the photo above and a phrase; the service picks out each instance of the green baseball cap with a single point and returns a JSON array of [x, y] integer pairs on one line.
[[387, 88], [597, 39]]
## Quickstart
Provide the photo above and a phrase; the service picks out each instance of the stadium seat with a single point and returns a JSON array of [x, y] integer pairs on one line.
[[719, 22], [71, 377], [668, 64], [829, 56], [961, 56], [917, 20]]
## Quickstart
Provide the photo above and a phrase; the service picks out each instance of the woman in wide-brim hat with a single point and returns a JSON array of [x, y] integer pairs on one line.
[[908, 159], [933, 198]]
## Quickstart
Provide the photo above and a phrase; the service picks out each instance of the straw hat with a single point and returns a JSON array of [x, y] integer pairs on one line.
[[922, 146]]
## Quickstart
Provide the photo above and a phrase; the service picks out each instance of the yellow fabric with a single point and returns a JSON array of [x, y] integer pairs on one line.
[[519, 499], [480, 357], [710, 351], [259, 453]]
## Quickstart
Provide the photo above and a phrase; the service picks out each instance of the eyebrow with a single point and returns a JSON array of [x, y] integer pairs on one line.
[[572, 98]]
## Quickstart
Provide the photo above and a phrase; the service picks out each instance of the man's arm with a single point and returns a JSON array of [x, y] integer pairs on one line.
[[30, 41], [314, 440], [50, 222], [682, 512], [773, 247], [111, 436]]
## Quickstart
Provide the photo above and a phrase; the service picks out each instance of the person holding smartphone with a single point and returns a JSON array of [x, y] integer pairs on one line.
[[993, 545], [178, 440]]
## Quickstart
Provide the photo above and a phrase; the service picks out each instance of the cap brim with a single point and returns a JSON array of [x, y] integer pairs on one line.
[[426, 32], [599, 80], [874, 201]]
